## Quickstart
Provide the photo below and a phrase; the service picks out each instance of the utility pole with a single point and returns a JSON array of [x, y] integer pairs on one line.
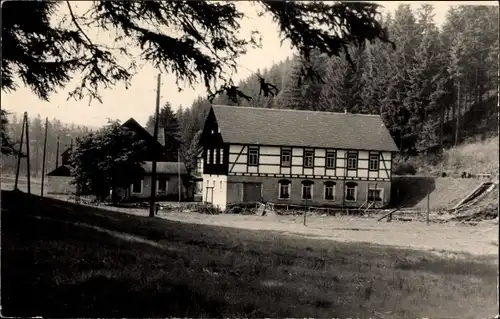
[[155, 135], [458, 114], [20, 152], [57, 152], [28, 152], [44, 153], [179, 171], [428, 206]]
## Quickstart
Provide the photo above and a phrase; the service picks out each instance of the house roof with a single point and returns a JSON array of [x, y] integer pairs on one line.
[[63, 170], [66, 151], [161, 134], [165, 168], [132, 124], [285, 127]]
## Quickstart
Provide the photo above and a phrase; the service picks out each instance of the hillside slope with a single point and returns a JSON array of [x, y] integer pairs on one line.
[[473, 157]]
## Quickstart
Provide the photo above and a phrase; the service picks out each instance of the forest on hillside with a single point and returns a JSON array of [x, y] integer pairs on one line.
[[435, 89]]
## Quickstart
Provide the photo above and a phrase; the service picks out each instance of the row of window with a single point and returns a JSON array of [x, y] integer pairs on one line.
[[308, 159], [350, 191], [215, 156]]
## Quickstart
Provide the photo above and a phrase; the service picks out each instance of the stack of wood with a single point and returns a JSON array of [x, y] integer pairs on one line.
[[208, 209]]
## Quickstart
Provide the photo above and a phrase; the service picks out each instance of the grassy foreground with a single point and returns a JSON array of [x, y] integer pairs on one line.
[[54, 268]]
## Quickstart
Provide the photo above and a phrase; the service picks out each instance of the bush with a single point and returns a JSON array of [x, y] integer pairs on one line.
[[405, 168]]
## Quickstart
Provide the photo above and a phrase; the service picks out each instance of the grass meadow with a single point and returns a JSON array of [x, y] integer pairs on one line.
[[64, 260]]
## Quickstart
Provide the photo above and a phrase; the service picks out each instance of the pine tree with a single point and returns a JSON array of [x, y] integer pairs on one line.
[[291, 95]]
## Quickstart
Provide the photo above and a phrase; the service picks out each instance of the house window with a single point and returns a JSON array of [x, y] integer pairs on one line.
[[352, 161], [308, 158], [221, 156], [286, 158], [209, 156], [137, 186], [253, 155], [162, 185], [374, 193], [373, 164], [351, 190], [330, 160], [220, 185], [329, 190], [284, 189], [307, 189]]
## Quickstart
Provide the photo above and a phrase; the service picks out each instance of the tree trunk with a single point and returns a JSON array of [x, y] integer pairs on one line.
[[457, 128], [441, 128], [452, 120]]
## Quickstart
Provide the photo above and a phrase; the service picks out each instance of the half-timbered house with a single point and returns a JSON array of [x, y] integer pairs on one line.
[[295, 157]]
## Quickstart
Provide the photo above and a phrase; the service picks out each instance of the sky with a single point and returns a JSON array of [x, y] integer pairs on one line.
[[139, 100]]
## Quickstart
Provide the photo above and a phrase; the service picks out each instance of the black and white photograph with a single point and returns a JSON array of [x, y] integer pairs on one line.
[[250, 159]]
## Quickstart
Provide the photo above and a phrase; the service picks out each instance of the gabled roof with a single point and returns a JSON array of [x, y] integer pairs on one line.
[[63, 170], [165, 168], [66, 151], [143, 133], [161, 134], [285, 127]]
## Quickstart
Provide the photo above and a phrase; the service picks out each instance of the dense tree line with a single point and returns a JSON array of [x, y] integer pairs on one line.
[[437, 86], [67, 134], [431, 89]]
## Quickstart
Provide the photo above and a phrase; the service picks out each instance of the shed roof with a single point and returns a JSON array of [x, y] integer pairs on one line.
[[285, 127]]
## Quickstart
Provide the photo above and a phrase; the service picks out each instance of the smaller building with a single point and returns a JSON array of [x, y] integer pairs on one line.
[[59, 180], [167, 182]]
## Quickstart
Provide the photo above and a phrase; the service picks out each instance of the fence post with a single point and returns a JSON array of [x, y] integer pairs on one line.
[[428, 206]]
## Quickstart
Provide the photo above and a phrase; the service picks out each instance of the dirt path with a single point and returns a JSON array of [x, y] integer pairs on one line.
[[441, 238]]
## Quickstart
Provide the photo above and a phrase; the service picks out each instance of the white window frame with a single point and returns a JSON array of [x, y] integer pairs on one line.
[[308, 157], [325, 186], [375, 188], [289, 187], [302, 185], [355, 157], [355, 193], [377, 159], [289, 155], [253, 149], [158, 186], [132, 187], [334, 160], [209, 156]]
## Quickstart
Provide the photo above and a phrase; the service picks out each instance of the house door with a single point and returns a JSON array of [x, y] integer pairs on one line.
[[209, 194], [252, 192]]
